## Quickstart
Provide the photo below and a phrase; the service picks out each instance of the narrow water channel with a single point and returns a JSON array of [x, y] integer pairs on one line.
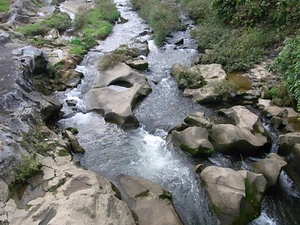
[[144, 151]]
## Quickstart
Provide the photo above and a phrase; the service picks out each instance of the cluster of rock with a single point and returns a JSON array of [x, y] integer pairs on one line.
[[242, 134], [60, 192], [236, 196]]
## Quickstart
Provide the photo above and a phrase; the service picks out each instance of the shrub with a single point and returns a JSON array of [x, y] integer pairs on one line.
[[197, 9], [233, 48], [224, 87], [245, 12], [288, 65], [161, 16], [4, 5], [27, 168]]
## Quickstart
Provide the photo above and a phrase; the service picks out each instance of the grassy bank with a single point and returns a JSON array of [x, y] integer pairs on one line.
[[4, 5], [239, 34], [59, 21], [93, 24], [161, 16], [90, 25]]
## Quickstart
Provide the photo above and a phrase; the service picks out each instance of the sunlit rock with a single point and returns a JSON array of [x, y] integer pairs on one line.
[[230, 139], [235, 195], [148, 201], [116, 93], [270, 167], [194, 140]]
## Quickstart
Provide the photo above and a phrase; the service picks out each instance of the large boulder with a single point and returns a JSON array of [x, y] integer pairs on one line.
[[274, 110], [236, 196], [148, 201], [122, 75], [194, 140], [138, 64], [34, 61], [287, 142], [212, 72], [243, 118], [204, 95], [193, 78], [116, 92], [65, 194], [115, 105], [293, 166], [270, 167], [198, 119], [228, 139]]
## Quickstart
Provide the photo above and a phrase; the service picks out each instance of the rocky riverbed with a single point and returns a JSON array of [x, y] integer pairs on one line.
[[41, 183]]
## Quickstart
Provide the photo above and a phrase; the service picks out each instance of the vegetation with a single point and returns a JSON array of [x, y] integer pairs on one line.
[[25, 169], [93, 24], [224, 87], [161, 16], [288, 65], [239, 33], [59, 21], [4, 5]]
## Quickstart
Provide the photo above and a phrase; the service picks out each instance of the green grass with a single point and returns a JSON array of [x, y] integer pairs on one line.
[[161, 16], [4, 5], [59, 21], [93, 24], [239, 33], [27, 168]]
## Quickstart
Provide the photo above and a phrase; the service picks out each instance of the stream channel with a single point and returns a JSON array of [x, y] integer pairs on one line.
[[144, 151]]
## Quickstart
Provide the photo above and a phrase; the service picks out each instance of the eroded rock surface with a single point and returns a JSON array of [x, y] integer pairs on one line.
[[270, 167], [149, 201], [228, 138], [116, 92], [235, 195], [193, 140], [71, 196]]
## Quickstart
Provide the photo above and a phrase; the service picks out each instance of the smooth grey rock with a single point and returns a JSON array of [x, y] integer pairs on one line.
[[235, 195], [204, 95], [270, 167], [228, 139], [287, 142], [197, 119], [193, 140], [149, 201], [138, 64]]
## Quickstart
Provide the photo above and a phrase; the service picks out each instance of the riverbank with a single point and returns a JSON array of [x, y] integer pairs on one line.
[[111, 150]]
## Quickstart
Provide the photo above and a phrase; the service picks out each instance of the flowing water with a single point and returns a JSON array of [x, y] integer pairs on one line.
[[145, 151]]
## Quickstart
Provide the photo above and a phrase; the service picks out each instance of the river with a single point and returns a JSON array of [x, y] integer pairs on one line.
[[145, 151]]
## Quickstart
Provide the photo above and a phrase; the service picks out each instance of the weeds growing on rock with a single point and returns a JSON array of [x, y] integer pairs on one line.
[[121, 54], [59, 21], [27, 168]]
